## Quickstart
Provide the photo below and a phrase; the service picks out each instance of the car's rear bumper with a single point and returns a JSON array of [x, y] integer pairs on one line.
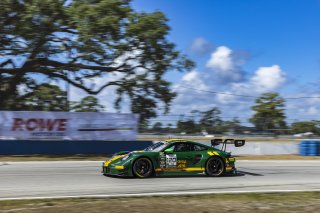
[[230, 169], [230, 165]]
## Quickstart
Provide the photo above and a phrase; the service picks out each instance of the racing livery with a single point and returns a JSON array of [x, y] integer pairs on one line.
[[174, 157]]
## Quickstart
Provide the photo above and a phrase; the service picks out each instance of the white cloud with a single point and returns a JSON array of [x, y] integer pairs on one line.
[[221, 59], [200, 45], [192, 79], [313, 111], [225, 98], [225, 66], [268, 78], [190, 76], [265, 79]]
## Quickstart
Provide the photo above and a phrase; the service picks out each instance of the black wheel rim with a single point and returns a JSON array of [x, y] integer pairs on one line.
[[215, 166], [142, 168]]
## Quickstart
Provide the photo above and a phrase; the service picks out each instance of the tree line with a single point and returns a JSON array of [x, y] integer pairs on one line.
[[269, 117]]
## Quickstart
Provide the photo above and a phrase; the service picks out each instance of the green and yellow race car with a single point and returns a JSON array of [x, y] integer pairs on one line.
[[174, 157]]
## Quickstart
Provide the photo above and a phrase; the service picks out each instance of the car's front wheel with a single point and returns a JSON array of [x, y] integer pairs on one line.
[[215, 167], [142, 168]]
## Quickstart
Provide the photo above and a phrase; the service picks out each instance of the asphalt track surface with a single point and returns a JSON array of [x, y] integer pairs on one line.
[[20, 180]]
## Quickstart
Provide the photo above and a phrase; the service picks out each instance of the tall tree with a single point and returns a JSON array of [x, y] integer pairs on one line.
[[44, 97], [233, 126], [210, 118], [87, 104], [269, 112], [188, 126], [79, 40], [157, 126]]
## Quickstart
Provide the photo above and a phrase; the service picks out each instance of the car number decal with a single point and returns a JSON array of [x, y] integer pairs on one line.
[[171, 160]]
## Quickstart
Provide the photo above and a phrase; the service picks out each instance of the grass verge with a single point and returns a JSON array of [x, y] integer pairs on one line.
[[253, 202]]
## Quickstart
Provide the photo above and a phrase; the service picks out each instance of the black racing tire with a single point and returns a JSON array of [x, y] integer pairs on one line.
[[142, 167], [215, 167]]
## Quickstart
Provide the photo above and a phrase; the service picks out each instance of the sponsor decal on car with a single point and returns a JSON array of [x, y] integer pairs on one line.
[[182, 164]]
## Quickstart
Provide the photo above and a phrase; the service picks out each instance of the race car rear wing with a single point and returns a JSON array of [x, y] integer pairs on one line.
[[224, 142]]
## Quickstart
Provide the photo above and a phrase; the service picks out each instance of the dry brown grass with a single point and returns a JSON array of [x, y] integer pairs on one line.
[[275, 202]]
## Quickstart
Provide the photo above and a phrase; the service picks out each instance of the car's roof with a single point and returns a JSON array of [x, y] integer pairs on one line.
[[183, 140], [179, 140], [176, 140]]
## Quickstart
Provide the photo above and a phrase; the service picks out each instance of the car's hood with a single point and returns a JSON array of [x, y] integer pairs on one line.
[[119, 155], [126, 152]]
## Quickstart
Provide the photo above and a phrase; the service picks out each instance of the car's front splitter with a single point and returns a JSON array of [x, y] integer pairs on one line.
[[115, 172]]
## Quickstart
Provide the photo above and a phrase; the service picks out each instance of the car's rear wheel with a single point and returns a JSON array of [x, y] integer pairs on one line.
[[142, 168], [215, 167]]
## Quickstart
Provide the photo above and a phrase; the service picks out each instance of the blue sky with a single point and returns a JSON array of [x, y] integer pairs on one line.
[[284, 32]]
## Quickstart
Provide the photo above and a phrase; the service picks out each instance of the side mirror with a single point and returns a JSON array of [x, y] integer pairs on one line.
[[168, 151], [238, 143]]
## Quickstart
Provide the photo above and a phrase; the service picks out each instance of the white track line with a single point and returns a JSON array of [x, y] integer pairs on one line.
[[158, 194]]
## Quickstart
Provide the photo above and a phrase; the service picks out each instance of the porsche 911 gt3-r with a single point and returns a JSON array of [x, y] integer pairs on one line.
[[174, 157]]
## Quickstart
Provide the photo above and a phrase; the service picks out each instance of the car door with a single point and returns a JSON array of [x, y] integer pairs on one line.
[[190, 156], [198, 159], [175, 157], [182, 156]]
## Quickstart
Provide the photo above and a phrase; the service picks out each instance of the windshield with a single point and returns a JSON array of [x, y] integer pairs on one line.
[[156, 147]]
